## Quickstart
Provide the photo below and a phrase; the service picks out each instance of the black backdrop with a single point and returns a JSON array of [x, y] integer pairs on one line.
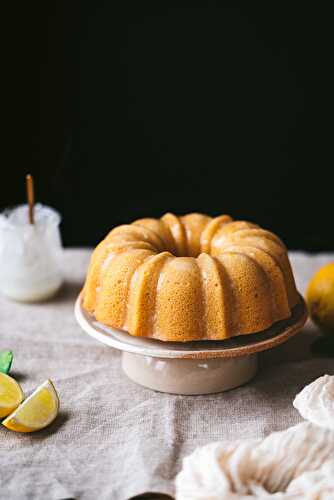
[[144, 108]]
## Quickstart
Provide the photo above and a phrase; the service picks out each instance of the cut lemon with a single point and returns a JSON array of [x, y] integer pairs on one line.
[[11, 395], [36, 412]]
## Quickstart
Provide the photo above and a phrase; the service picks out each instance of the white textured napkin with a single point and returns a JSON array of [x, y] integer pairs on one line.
[[294, 464]]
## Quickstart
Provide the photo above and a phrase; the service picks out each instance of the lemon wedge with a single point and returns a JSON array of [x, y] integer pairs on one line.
[[11, 395], [36, 412]]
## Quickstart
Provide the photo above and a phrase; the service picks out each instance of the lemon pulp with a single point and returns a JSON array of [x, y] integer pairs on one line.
[[36, 412], [11, 395]]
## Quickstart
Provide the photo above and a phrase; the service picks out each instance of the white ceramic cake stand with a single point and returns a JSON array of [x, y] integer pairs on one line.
[[201, 367]]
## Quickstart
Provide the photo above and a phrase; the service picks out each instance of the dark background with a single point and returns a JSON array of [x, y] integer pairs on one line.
[[133, 110]]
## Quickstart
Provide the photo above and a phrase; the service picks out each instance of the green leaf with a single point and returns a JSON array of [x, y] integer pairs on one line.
[[6, 358]]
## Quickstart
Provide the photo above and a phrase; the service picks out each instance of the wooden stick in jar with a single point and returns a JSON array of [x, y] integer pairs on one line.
[[30, 197]]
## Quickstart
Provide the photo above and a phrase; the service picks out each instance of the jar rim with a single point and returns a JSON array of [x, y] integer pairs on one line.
[[44, 215]]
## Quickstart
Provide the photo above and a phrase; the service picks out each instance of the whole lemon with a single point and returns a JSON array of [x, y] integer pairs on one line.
[[320, 298]]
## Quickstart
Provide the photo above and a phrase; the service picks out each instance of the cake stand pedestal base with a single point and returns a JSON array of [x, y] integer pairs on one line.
[[189, 376], [200, 367]]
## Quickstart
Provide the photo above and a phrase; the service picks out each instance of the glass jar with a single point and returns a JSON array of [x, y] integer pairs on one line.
[[30, 254]]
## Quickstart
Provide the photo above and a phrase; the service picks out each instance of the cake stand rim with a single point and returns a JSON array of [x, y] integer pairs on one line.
[[118, 339]]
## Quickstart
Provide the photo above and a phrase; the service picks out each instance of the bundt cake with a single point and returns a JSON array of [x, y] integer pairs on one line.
[[190, 278]]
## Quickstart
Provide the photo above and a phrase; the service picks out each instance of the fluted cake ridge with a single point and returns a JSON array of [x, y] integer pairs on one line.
[[191, 277]]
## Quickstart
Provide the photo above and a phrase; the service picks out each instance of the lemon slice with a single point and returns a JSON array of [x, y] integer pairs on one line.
[[36, 412], [11, 395]]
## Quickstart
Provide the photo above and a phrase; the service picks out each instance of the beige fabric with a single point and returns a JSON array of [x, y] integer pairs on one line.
[[114, 439], [294, 464]]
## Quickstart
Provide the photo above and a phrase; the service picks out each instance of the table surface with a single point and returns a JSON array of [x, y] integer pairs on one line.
[[114, 439]]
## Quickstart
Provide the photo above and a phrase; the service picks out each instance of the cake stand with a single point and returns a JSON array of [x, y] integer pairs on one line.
[[201, 367]]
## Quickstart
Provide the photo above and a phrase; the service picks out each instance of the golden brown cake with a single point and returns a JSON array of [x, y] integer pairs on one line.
[[190, 278]]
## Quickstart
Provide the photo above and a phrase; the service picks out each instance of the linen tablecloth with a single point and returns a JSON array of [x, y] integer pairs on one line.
[[114, 439]]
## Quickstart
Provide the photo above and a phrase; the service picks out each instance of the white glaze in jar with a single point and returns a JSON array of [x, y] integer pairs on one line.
[[30, 254]]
